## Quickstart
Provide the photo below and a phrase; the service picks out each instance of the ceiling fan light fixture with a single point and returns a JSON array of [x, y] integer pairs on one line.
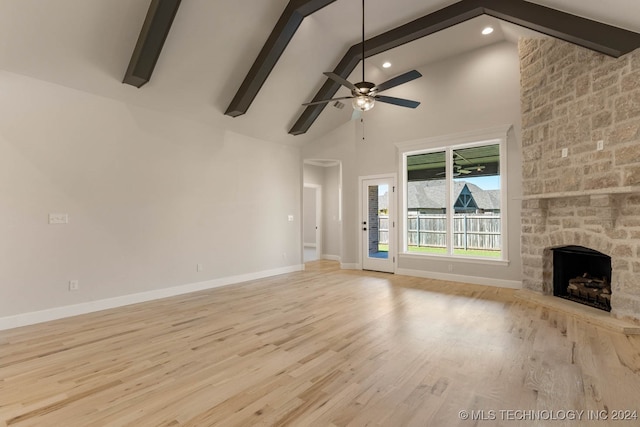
[[363, 103]]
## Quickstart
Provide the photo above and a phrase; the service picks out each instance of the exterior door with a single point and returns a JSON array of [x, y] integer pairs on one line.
[[378, 224]]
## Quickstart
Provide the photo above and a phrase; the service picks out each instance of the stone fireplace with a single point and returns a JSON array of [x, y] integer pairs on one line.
[[587, 106]]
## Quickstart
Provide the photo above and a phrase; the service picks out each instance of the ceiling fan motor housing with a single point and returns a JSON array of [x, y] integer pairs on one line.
[[364, 88]]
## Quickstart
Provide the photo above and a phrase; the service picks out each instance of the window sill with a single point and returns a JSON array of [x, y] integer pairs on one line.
[[456, 258]]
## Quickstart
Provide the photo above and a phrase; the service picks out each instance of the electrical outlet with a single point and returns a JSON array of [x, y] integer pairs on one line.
[[565, 152], [58, 218], [290, 218], [199, 267], [74, 285], [600, 145]]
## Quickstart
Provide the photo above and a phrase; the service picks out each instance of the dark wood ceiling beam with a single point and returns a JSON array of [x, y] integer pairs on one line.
[[594, 35], [603, 38], [277, 42], [150, 42]]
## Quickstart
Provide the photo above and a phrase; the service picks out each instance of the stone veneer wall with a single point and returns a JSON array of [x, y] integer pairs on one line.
[[571, 98]]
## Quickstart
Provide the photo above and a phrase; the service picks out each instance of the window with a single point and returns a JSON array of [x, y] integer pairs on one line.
[[453, 198]]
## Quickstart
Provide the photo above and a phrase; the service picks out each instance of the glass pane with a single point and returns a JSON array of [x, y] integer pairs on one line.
[[426, 203], [378, 221], [476, 201]]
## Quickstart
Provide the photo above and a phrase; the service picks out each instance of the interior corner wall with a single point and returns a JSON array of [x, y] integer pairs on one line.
[[313, 174], [468, 92], [148, 197]]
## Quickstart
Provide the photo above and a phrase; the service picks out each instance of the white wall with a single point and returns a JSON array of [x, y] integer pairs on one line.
[[313, 174], [149, 195], [469, 92]]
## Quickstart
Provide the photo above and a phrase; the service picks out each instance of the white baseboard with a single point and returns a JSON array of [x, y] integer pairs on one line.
[[350, 266], [34, 317], [343, 266], [500, 283]]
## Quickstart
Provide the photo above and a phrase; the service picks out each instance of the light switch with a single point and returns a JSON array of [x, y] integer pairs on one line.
[[290, 218]]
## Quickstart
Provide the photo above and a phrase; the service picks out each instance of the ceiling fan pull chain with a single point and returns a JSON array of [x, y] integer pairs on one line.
[[362, 121]]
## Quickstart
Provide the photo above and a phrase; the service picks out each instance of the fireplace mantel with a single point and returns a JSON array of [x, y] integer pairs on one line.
[[580, 193]]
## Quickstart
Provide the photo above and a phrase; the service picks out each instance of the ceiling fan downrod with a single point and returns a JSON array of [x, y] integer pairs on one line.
[[363, 40]]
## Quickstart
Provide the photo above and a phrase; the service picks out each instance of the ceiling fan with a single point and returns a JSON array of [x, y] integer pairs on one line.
[[457, 170], [463, 170], [364, 94]]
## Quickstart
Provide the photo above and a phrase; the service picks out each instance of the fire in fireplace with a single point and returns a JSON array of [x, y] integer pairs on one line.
[[583, 275]]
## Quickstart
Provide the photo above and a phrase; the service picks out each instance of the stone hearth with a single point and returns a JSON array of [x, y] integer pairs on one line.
[[572, 98]]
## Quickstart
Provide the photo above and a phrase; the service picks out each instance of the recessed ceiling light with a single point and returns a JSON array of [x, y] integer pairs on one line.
[[386, 64], [487, 31]]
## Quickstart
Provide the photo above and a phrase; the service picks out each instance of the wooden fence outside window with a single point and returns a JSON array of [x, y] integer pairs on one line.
[[470, 231]]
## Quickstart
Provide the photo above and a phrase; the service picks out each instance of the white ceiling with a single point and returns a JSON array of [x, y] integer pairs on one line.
[[87, 44]]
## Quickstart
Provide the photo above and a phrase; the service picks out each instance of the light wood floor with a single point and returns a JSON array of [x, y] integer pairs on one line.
[[321, 347]]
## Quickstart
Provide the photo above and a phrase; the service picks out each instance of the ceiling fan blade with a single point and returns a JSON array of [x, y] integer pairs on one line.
[[397, 101], [456, 173], [327, 100], [396, 81], [464, 171], [336, 78]]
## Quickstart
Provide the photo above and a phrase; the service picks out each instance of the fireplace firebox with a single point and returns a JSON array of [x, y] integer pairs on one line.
[[582, 275]]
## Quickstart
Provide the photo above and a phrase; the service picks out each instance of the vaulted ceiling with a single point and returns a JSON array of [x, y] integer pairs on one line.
[[87, 45]]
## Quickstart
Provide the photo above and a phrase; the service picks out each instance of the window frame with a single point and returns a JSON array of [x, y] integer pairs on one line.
[[449, 143]]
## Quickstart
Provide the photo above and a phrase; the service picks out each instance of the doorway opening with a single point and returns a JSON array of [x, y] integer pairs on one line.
[[312, 219], [322, 210]]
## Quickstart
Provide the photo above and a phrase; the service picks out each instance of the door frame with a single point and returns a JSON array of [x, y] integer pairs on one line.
[[393, 210]]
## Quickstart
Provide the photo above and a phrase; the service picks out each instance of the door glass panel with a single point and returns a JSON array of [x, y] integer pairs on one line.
[[378, 221]]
